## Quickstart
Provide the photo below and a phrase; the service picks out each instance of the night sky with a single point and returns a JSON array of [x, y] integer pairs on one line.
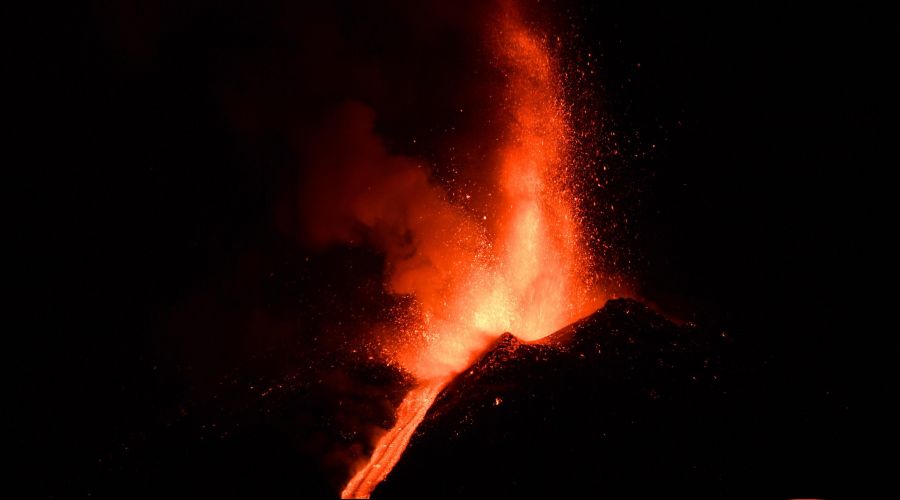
[[164, 221]]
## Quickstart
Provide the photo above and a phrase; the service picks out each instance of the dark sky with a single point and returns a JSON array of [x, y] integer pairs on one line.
[[165, 247]]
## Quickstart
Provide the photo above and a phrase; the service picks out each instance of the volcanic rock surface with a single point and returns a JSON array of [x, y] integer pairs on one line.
[[622, 402]]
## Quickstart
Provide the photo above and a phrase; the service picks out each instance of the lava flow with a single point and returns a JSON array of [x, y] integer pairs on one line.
[[525, 271], [386, 454]]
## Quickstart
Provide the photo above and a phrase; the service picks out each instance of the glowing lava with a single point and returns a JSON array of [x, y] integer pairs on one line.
[[528, 273], [389, 448]]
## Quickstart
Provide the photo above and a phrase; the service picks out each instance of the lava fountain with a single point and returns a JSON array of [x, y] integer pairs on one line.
[[525, 271]]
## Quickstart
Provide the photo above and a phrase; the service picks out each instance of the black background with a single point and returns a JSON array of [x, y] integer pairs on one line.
[[160, 260]]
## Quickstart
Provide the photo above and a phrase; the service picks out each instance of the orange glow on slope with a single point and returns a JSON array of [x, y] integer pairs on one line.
[[527, 273], [389, 448]]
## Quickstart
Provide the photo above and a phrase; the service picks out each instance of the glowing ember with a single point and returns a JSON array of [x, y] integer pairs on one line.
[[527, 273]]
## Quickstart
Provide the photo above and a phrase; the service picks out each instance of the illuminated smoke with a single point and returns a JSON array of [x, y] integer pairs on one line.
[[520, 269]]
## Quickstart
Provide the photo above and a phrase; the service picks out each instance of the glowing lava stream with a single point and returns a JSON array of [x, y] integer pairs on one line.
[[389, 448], [532, 279]]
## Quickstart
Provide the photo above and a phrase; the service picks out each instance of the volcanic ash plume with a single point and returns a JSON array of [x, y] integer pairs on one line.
[[521, 270], [361, 193]]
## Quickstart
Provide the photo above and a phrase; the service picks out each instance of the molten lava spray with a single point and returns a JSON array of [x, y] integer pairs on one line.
[[523, 271]]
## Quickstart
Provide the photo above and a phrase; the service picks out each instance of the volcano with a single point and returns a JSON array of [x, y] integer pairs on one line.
[[587, 410], [600, 406]]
